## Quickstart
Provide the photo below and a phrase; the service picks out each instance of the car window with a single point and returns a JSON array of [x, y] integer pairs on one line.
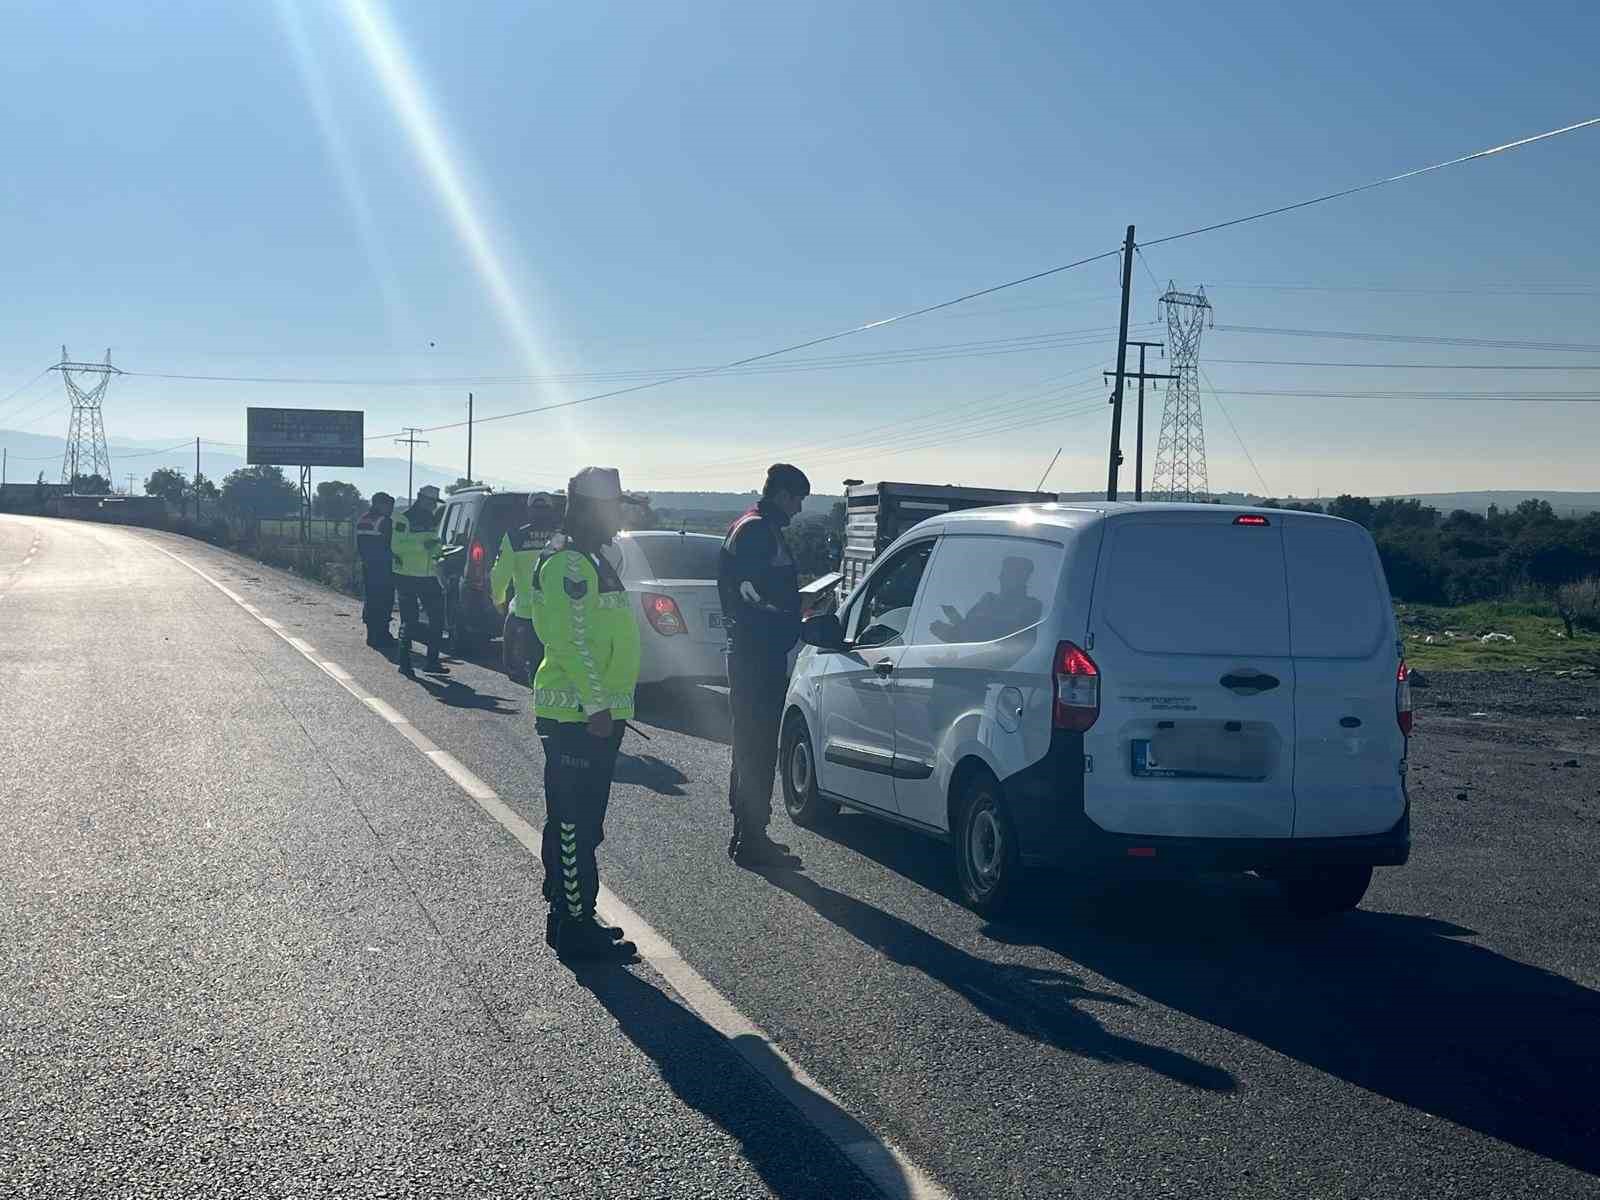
[[981, 589], [463, 529], [880, 617], [447, 526], [681, 556]]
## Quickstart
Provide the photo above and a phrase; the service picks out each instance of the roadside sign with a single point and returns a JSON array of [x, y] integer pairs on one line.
[[304, 437]]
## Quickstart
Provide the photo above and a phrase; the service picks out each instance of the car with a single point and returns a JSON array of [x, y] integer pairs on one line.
[[1096, 688], [672, 581], [474, 520]]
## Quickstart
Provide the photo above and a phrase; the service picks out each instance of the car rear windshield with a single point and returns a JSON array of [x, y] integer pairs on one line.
[[681, 556], [1337, 601], [499, 514], [1197, 587]]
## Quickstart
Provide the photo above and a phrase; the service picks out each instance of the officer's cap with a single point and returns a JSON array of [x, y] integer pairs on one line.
[[427, 492], [788, 478], [596, 483]]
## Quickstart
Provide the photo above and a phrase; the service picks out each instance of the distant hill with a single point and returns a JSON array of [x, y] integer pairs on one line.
[[728, 502]]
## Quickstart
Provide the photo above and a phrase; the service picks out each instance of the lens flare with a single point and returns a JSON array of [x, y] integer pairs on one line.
[[380, 42]]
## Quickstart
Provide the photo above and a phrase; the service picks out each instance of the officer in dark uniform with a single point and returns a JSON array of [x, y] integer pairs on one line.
[[760, 592], [373, 530]]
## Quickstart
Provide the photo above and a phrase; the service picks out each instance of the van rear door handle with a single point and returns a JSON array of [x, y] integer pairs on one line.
[[883, 666], [1249, 685]]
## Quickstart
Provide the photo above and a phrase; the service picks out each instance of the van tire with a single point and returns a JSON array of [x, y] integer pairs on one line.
[[1325, 891], [797, 764], [988, 860]]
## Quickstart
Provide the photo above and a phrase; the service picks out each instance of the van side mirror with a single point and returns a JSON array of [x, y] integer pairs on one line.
[[824, 632]]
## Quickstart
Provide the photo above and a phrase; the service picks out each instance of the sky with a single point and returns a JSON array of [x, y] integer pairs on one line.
[[384, 205]]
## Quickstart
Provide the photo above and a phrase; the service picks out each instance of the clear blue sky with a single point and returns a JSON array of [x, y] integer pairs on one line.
[[233, 190]]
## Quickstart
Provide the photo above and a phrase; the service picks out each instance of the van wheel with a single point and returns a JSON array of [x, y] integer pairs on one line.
[[988, 863], [1325, 890], [797, 763]]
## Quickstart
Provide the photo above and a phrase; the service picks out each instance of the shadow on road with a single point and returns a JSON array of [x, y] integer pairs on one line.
[[460, 695], [1402, 1006], [691, 709], [1037, 1003], [646, 770], [696, 1061]]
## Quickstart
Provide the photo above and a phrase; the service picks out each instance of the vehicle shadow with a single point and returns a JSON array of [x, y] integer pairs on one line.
[[1399, 1005], [1037, 1003], [692, 709], [460, 695], [788, 1153]]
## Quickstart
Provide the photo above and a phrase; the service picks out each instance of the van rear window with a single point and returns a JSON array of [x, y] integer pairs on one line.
[[1336, 602], [1179, 587]]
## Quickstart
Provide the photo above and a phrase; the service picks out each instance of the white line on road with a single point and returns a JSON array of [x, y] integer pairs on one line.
[[887, 1166]]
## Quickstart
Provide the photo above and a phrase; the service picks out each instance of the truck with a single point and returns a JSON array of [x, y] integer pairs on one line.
[[878, 513]]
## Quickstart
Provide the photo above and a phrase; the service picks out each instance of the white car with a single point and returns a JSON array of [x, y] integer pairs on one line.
[[1141, 685], [672, 580]]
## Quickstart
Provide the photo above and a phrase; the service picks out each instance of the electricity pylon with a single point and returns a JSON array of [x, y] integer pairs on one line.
[[1180, 472], [86, 430]]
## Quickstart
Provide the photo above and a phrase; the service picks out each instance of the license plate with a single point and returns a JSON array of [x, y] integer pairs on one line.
[[715, 621]]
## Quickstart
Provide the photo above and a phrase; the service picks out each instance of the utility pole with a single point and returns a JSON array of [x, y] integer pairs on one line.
[[1122, 366], [1138, 456], [197, 481], [411, 441], [130, 483], [469, 437], [4, 454]]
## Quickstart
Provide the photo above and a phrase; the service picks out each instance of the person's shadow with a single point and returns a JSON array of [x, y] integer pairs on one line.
[[460, 695], [698, 1063], [648, 771], [1402, 1006], [1040, 1004]]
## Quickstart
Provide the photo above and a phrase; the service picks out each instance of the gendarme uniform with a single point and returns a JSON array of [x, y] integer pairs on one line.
[[374, 545], [591, 663]]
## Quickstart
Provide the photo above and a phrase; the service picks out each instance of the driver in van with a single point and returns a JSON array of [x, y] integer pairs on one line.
[[996, 614]]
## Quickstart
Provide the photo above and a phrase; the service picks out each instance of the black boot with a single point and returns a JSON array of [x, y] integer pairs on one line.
[[757, 850], [404, 657], [583, 939]]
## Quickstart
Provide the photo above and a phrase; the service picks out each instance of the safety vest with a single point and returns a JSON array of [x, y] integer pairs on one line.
[[513, 568], [582, 614], [415, 551]]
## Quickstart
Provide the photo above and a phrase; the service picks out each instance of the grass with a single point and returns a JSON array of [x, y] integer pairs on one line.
[[1534, 625]]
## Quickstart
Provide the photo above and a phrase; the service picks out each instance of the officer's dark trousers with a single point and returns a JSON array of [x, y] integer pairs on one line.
[[577, 787], [377, 585], [420, 592], [757, 682], [520, 650]]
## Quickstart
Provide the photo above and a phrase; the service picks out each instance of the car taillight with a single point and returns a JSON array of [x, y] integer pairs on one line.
[[476, 552], [1077, 689], [1402, 698], [663, 615]]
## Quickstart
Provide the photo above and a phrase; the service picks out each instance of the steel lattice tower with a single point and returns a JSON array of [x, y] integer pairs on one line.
[[1180, 472], [86, 430]]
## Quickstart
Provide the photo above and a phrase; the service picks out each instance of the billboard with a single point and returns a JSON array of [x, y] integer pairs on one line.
[[304, 437]]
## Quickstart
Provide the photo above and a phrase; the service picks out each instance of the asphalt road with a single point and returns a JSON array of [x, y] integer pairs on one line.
[[251, 934]]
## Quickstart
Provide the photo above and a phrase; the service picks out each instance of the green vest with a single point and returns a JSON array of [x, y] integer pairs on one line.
[[513, 568], [584, 617], [415, 551]]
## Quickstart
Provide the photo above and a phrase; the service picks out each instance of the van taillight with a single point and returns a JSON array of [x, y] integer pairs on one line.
[[1251, 519], [1402, 698], [1077, 703]]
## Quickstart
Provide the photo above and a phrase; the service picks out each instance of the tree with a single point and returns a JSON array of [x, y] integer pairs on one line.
[[172, 486], [1353, 508], [90, 485], [260, 492], [450, 489], [204, 488], [337, 500]]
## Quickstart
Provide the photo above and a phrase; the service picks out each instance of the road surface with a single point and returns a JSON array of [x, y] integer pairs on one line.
[[257, 941]]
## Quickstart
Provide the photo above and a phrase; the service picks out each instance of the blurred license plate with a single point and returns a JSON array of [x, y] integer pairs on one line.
[[715, 621]]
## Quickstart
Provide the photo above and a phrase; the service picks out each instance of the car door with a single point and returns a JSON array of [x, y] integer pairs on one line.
[[1190, 635], [1349, 751], [855, 690]]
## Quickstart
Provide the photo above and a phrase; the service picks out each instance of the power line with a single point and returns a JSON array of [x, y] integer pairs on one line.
[[1482, 290], [24, 387], [1260, 478], [1377, 183], [1508, 397], [1296, 362], [1421, 339]]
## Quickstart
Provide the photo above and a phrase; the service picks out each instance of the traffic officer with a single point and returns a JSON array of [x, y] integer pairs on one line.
[[583, 692], [374, 528], [415, 548], [513, 569], [760, 591]]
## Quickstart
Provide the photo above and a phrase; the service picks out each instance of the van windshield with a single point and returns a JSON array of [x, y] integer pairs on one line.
[[1197, 587]]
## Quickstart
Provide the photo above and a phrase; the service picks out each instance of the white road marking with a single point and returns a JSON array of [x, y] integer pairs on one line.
[[887, 1166]]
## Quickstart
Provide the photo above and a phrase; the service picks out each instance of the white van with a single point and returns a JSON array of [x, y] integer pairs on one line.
[[1142, 685]]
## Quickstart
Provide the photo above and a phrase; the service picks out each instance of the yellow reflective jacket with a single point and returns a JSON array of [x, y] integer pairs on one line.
[[582, 614], [415, 550], [513, 568]]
